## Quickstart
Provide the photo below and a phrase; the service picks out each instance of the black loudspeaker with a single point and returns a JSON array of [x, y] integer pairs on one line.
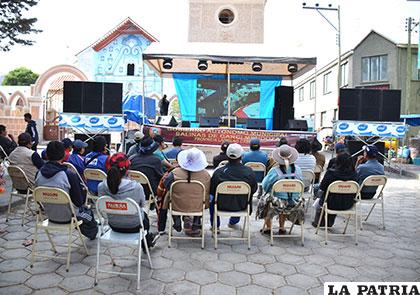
[[370, 105], [356, 145], [283, 107], [167, 121], [73, 96], [112, 98], [92, 97], [209, 122], [297, 125], [186, 124], [255, 124], [225, 123], [89, 141]]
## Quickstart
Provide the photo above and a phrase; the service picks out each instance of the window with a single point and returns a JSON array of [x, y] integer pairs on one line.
[[323, 118], [301, 93], [226, 16], [375, 68], [312, 90], [344, 74], [130, 70], [327, 82], [415, 70]]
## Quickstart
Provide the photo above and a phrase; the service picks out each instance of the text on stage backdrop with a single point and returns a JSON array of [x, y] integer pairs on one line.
[[215, 136]]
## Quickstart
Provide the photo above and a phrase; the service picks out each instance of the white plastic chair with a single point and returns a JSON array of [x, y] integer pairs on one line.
[[232, 189], [308, 181], [378, 181], [128, 207], [288, 186], [257, 167], [144, 181], [19, 182], [55, 196], [94, 175], [73, 169], [342, 188], [174, 209]]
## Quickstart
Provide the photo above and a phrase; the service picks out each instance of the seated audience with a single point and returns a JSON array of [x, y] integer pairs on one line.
[[77, 158], [343, 170], [25, 158], [55, 174], [192, 166], [177, 147], [166, 165], [233, 171], [96, 160], [222, 156], [119, 187], [283, 140], [285, 157], [147, 163], [316, 146], [305, 161], [255, 155], [7, 142], [339, 149], [135, 148], [67, 148], [366, 166]]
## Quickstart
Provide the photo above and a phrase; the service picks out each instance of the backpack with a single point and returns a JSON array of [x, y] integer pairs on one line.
[[89, 227]]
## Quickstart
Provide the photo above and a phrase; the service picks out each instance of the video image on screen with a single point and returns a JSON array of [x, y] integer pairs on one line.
[[212, 98]]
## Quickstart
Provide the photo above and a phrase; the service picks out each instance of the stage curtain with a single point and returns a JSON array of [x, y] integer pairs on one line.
[[186, 89], [267, 100]]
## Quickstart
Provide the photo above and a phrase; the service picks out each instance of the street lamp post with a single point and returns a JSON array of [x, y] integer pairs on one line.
[[337, 28]]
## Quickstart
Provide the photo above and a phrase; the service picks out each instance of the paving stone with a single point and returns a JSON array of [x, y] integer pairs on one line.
[[204, 256], [75, 270], [249, 268], [218, 266], [43, 267], [332, 278], [311, 269], [188, 264], [175, 254], [14, 253], [254, 290], [280, 268], [17, 235], [344, 271], [273, 250], [168, 275], [184, 288], [201, 277], [42, 281], [235, 279], [232, 257], [261, 258], [13, 278], [15, 290], [302, 281], [13, 264], [319, 259], [50, 291], [148, 287], [121, 251], [77, 283], [112, 285], [217, 289], [161, 263], [291, 259], [348, 261], [288, 290], [268, 280]]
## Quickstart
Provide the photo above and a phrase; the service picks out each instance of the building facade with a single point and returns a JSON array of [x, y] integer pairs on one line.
[[376, 62]]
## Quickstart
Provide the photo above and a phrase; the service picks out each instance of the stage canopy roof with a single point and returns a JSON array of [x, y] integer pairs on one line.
[[240, 57]]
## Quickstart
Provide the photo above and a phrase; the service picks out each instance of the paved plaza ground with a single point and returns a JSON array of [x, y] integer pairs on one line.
[[288, 268]]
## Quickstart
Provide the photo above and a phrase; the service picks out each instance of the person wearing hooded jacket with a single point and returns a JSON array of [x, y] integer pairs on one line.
[[31, 130], [96, 160], [55, 174]]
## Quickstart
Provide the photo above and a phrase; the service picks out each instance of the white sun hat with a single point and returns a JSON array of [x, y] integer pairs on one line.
[[192, 160]]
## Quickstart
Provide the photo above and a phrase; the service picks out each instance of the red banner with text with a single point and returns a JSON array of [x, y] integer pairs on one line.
[[215, 136]]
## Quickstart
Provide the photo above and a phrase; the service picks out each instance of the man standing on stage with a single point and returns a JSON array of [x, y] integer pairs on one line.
[[31, 130], [163, 106]]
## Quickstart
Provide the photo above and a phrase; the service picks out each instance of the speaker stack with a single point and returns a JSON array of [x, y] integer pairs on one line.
[[283, 107]]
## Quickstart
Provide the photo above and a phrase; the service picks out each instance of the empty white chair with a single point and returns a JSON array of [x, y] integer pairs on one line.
[[95, 175]]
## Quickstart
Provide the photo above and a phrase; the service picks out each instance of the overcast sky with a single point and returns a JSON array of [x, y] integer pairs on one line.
[[70, 26]]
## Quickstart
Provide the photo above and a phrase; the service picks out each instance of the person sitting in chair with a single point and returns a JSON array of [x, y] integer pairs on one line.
[[222, 156], [366, 166], [76, 158], [286, 157], [119, 187], [96, 160], [256, 155], [232, 171]]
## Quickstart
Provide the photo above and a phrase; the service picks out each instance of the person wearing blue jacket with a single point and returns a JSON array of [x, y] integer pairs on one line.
[[76, 158], [256, 155], [285, 156], [96, 160]]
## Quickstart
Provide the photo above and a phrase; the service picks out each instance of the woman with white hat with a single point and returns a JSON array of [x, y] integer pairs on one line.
[[192, 166], [285, 157]]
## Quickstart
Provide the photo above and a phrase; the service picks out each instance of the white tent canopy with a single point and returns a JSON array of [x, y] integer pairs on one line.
[[223, 58]]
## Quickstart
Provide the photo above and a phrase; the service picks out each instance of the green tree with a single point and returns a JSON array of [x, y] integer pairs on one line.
[[20, 77], [13, 24]]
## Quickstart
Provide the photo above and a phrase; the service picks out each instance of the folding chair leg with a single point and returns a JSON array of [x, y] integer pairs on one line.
[[26, 206], [98, 253], [34, 243], [319, 221], [215, 226], [69, 248], [81, 238], [271, 234], [243, 228], [249, 232], [326, 226], [170, 229], [383, 214], [9, 207], [147, 252], [302, 233], [112, 259], [371, 209], [347, 223], [51, 241], [355, 227], [139, 262], [202, 231]]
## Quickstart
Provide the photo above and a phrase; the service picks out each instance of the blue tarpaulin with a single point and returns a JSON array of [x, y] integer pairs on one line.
[[412, 120], [132, 108]]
